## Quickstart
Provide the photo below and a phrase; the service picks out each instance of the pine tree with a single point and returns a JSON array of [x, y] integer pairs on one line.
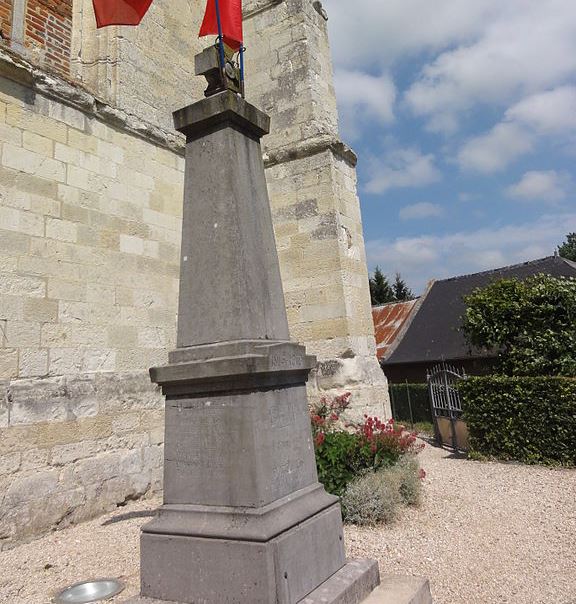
[[568, 248], [380, 290], [401, 290]]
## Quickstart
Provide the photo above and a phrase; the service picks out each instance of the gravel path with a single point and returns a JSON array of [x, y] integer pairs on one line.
[[486, 533]]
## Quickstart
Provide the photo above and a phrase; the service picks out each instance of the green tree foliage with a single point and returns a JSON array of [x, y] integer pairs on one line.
[[531, 323], [401, 290], [380, 290], [568, 248]]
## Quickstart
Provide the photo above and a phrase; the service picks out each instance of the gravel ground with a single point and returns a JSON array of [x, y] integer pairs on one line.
[[486, 533]]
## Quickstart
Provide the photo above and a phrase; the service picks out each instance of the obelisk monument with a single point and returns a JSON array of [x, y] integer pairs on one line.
[[244, 517]]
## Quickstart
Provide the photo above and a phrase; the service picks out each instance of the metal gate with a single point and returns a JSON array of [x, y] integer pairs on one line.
[[449, 428]]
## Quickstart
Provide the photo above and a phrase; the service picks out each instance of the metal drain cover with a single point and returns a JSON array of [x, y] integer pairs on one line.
[[84, 592]]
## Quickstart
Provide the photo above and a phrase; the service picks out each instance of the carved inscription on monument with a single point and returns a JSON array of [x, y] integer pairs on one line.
[[285, 360]]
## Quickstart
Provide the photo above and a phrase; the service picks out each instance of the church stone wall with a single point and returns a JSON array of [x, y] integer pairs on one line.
[[90, 234], [89, 264], [74, 447], [312, 184], [146, 71]]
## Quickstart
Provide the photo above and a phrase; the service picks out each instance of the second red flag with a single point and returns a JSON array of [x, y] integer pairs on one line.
[[230, 18], [120, 12]]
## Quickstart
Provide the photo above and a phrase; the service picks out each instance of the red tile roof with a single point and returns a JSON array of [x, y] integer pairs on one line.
[[388, 322]]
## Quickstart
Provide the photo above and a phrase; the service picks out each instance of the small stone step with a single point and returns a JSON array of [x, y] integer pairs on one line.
[[350, 585], [395, 589]]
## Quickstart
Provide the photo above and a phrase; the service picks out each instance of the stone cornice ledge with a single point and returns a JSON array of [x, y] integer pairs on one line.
[[309, 147], [258, 6], [14, 67], [17, 69]]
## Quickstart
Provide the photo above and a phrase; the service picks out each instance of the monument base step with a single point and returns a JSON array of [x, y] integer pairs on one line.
[[352, 584], [397, 589]]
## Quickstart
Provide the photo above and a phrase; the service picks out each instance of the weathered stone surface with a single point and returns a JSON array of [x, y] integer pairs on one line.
[[352, 584], [281, 570], [76, 447], [230, 225]]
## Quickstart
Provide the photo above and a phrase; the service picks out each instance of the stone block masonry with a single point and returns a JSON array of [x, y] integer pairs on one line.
[[89, 241], [74, 447], [312, 184]]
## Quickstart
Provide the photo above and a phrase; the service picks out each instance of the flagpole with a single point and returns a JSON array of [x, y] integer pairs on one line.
[[220, 37], [242, 49]]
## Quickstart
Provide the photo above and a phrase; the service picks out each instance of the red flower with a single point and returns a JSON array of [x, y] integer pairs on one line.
[[320, 438], [422, 474]]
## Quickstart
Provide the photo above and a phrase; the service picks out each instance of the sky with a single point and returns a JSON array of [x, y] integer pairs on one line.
[[463, 117]]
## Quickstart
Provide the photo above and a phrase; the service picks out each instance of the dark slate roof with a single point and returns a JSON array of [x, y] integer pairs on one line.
[[389, 321], [433, 334]]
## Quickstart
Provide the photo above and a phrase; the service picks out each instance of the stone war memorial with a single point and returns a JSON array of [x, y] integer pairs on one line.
[[244, 518]]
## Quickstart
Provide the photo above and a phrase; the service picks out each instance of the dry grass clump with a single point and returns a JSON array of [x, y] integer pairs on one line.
[[377, 497]]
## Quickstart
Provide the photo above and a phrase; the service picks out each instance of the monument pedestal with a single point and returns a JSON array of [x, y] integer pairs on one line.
[[244, 518]]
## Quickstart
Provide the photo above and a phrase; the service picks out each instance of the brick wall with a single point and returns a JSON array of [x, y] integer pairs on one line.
[[5, 17], [45, 36], [48, 32]]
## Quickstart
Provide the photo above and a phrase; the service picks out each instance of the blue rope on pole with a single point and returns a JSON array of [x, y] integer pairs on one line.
[[242, 49], [220, 36]]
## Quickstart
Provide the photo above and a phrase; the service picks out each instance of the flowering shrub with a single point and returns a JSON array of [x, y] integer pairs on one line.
[[345, 450]]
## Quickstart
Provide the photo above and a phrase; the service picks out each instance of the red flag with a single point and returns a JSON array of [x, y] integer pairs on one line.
[[120, 12], [230, 18]]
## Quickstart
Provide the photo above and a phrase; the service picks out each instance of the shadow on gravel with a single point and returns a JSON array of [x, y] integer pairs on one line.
[[129, 516], [431, 441]]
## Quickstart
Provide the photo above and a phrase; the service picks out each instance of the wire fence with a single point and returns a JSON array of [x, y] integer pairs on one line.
[[410, 403]]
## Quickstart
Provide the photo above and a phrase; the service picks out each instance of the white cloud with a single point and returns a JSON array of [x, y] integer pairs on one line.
[[401, 168], [550, 112], [417, 211], [523, 47], [549, 186], [363, 97], [547, 113], [420, 259], [378, 33], [495, 150]]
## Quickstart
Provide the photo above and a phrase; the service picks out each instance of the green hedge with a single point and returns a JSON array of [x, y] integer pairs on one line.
[[527, 419], [419, 401]]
